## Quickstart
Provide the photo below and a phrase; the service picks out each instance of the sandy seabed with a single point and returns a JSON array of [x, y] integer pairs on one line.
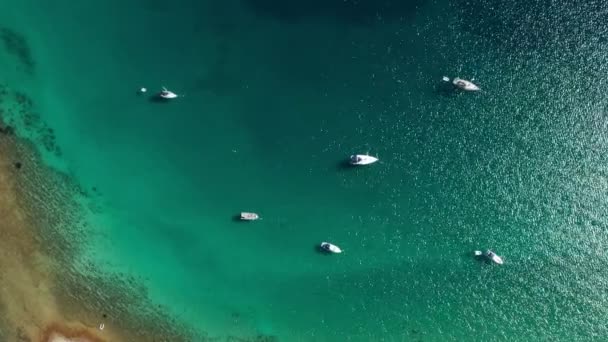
[[30, 310], [44, 295]]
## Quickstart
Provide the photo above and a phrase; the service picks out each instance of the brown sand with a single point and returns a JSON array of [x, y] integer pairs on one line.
[[42, 296], [30, 311]]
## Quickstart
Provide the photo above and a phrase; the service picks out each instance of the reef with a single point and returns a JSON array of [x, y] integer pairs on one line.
[[18, 111], [16, 45]]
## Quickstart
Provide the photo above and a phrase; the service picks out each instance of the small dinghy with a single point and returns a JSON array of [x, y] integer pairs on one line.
[[491, 256], [167, 94], [463, 84], [328, 247], [249, 216], [362, 159]]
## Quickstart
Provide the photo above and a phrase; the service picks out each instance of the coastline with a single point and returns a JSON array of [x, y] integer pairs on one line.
[[44, 295]]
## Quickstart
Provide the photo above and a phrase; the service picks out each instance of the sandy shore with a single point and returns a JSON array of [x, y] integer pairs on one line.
[[43, 297], [30, 311]]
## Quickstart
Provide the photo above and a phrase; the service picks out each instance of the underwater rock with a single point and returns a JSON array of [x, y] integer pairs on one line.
[[16, 45], [8, 130]]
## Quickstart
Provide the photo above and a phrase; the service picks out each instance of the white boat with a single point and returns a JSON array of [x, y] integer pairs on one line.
[[362, 159], [249, 216], [492, 256], [462, 84], [328, 247], [167, 94], [465, 85]]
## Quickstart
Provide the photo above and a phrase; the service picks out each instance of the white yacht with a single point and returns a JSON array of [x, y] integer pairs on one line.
[[167, 94], [463, 84], [490, 256], [245, 216], [328, 247], [362, 159]]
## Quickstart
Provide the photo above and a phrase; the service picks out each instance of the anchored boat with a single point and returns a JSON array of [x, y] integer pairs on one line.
[[249, 216], [490, 256], [167, 94], [362, 159], [331, 248], [463, 84]]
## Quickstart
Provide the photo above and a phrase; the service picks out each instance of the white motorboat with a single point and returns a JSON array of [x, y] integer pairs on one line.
[[490, 256], [249, 216], [167, 94], [493, 257], [362, 159], [465, 85], [462, 84], [328, 247]]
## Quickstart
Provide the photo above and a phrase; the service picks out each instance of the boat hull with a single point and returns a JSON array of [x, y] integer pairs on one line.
[[249, 216], [167, 96], [494, 257], [362, 159], [465, 85], [328, 247]]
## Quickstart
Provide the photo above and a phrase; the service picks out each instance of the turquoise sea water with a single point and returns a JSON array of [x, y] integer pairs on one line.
[[277, 95]]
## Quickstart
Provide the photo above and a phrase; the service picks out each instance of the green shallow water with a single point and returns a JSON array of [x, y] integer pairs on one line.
[[277, 95]]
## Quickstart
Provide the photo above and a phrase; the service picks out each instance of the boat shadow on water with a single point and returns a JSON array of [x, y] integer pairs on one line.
[[478, 258], [238, 218], [445, 89], [158, 99], [344, 165]]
